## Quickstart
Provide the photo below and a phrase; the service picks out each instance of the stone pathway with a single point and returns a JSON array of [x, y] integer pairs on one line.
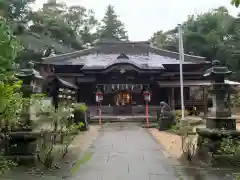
[[124, 151]]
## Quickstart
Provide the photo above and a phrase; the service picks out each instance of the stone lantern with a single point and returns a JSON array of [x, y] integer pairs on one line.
[[22, 140], [220, 116], [31, 80], [219, 123], [31, 84]]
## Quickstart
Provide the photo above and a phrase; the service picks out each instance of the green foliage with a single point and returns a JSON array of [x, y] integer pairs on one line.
[[178, 114], [9, 45], [229, 146], [5, 164], [81, 107], [62, 133], [235, 98], [66, 24], [235, 2], [11, 103], [165, 40], [16, 10], [74, 128], [214, 35], [58, 117], [111, 26], [175, 128]]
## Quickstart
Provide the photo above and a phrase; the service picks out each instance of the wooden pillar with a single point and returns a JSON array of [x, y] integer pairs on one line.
[[205, 100], [172, 98], [229, 103], [169, 97]]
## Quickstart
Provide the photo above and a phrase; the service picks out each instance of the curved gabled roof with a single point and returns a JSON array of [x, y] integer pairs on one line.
[[136, 51], [105, 62]]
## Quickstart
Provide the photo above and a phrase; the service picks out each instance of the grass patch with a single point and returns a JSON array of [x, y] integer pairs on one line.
[[84, 159]]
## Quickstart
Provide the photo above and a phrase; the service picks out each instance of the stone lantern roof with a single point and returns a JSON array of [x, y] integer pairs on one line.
[[29, 72], [217, 69]]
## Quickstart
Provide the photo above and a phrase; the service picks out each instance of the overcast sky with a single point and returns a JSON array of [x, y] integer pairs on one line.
[[144, 17]]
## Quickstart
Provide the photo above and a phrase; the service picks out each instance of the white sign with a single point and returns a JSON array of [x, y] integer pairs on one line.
[[99, 98], [147, 97]]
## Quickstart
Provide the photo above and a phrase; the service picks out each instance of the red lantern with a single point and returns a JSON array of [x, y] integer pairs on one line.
[[99, 96], [147, 96]]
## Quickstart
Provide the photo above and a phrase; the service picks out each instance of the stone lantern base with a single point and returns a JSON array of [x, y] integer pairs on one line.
[[210, 138], [228, 123], [216, 129]]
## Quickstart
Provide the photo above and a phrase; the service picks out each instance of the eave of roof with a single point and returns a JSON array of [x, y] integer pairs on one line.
[[132, 47]]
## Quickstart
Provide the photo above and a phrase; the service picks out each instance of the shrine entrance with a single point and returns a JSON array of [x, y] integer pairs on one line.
[[123, 98]]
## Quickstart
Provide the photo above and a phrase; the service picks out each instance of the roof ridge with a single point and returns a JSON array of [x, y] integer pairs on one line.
[[177, 53], [69, 54], [110, 48]]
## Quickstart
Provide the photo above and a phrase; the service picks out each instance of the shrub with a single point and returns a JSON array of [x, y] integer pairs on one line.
[[178, 114], [81, 107], [229, 146]]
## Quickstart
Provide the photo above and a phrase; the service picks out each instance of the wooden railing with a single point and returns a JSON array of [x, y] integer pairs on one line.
[[192, 103], [136, 110]]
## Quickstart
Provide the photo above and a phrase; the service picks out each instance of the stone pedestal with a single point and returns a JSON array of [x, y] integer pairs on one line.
[[220, 124], [23, 143]]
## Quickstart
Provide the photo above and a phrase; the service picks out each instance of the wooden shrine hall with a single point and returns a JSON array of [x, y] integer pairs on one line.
[[123, 70]]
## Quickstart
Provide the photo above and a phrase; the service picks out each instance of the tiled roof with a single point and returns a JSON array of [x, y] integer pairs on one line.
[[142, 61], [141, 54]]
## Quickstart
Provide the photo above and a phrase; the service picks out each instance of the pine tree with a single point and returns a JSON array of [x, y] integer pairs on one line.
[[111, 26]]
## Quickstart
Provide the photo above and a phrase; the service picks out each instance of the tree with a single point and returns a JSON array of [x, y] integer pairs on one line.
[[235, 2], [112, 26], [203, 34], [16, 10], [214, 35], [165, 40], [50, 22], [232, 46], [9, 45], [64, 24], [83, 22]]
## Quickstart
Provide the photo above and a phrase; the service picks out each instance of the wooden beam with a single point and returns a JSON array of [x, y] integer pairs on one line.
[[205, 99], [173, 98]]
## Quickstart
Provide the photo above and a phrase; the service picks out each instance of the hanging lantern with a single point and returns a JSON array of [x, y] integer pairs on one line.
[[147, 96], [99, 96]]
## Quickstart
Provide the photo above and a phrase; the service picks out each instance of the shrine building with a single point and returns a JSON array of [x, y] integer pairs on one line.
[[123, 70]]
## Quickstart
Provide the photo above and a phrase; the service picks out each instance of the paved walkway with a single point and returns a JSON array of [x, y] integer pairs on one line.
[[125, 152]]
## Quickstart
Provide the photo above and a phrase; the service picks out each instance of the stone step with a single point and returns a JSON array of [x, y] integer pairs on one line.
[[123, 119]]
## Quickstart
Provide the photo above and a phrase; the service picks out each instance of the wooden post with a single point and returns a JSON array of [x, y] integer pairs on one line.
[[205, 100], [229, 103], [169, 97], [173, 98]]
